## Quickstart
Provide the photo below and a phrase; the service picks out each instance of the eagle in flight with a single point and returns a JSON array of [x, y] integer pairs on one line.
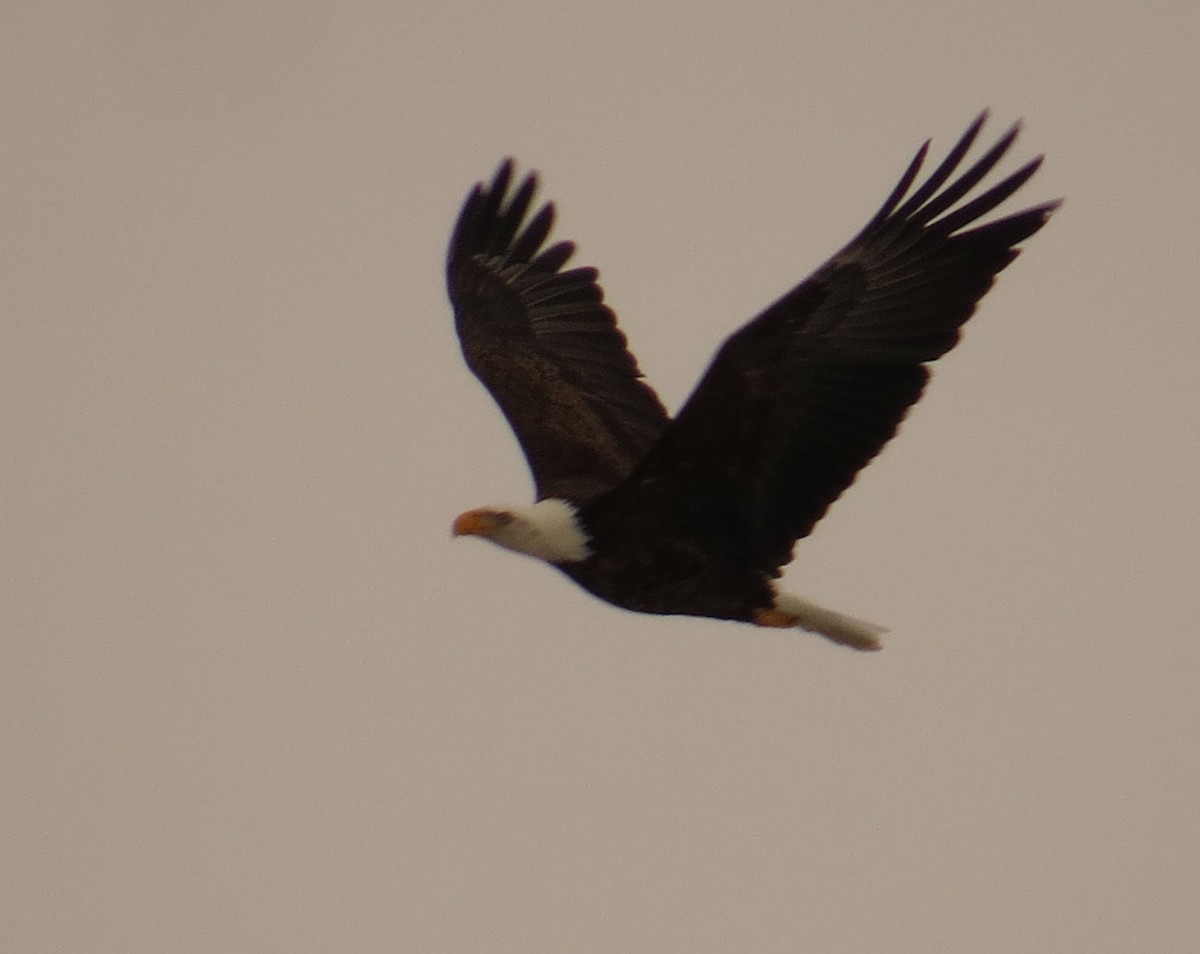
[[696, 514]]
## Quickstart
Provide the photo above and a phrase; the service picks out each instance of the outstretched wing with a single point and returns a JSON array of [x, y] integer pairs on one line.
[[546, 346], [800, 399]]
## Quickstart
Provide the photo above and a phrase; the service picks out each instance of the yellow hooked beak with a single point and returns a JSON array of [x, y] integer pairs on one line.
[[474, 523]]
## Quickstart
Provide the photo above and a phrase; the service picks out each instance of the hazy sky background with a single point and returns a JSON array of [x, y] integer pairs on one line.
[[254, 699]]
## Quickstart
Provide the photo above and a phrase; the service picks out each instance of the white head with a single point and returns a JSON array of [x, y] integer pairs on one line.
[[547, 530]]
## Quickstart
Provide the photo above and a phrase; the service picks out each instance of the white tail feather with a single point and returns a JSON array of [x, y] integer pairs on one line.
[[846, 630]]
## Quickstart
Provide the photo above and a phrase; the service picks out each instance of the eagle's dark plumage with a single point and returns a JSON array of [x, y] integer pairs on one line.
[[695, 515]]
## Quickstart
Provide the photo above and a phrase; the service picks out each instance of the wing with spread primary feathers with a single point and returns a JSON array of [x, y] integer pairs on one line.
[[801, 398], [545, 345]]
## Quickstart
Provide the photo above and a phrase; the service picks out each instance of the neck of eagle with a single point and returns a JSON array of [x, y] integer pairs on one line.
[[549, 530]]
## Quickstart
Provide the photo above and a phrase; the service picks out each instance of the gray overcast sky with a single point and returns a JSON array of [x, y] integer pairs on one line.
[[255, 700]]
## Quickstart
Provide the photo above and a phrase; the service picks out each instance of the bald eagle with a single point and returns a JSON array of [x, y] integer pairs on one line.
[[696, 515]]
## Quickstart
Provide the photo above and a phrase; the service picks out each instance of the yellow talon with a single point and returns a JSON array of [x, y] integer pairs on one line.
[[775, 618]]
